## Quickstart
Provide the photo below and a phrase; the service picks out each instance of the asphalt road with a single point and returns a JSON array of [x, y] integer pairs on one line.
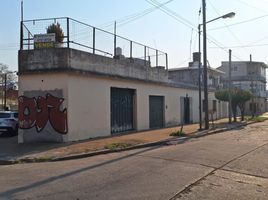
[[228, 165]]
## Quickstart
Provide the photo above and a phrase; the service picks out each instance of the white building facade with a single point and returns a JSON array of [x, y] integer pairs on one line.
[[69, 95], [249, 76]]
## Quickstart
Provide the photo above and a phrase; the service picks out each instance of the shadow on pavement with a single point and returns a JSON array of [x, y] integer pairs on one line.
[[9, 147], [9, 193]]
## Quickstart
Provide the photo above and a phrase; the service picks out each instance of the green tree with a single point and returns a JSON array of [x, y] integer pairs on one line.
[[238, 99], [56, 28]]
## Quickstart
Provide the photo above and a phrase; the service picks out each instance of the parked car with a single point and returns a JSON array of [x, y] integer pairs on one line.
[[9, 122]]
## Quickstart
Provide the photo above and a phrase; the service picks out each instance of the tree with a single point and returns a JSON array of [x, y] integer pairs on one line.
[[239, 98], [8, 82], [56, 28], [11, 76]]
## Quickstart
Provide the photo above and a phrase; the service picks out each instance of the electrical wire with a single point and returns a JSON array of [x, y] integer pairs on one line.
[[172, 14], [254, 7], [127, 19], [189, 25], [246, 46], [238, 23], [230, 31]]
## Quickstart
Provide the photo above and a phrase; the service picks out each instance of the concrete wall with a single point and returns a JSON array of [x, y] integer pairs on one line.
[[65, 94], [39, 111], [64, 59], [92, 94], [87, 101], [89, 104]]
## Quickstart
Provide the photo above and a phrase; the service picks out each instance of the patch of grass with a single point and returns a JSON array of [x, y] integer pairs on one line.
[[117, 146], [33, 160], [178, 134], [256, 119]]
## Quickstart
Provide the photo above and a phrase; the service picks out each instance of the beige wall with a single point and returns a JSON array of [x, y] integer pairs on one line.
[[87, 99], [39, 85], [89, 104]]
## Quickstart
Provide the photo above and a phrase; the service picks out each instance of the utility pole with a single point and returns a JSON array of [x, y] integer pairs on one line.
[[199, 77], [251, 88], [229, 86], [5, 91], [205, 64], [114, 39], [21, 26]]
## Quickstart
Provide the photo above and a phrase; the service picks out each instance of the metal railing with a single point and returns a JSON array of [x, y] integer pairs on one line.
[[81, 36]]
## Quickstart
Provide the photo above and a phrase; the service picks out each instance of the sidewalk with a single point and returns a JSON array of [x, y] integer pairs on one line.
[[53, 152]]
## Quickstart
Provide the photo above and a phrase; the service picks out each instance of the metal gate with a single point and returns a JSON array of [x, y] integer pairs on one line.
[[156, 111], [121, 110], [186, 110]]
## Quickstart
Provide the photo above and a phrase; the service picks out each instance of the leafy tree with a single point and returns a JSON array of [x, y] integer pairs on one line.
[[11, 76], [238, 99], [56, 28]]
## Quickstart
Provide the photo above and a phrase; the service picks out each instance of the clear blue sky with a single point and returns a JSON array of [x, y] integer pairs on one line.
[[156, 29]]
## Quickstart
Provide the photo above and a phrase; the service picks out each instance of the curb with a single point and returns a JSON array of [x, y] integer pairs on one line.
[[198, 134], [107, 151]]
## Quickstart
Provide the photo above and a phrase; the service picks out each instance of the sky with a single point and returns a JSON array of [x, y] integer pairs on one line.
[[172, 29]]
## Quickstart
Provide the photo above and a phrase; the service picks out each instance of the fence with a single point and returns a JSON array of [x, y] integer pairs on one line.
[[81, 36]]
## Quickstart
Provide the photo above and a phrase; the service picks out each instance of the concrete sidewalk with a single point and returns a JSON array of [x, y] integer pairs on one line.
[[52, 152]]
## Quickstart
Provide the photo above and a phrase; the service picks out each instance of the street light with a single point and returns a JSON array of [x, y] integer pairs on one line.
[[229, 15]]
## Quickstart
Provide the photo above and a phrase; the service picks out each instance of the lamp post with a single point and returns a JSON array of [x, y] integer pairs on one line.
[[229, 15]]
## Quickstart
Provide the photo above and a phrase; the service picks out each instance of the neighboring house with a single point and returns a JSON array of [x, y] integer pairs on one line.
[[189, 75], [11, 98], [250, 76]]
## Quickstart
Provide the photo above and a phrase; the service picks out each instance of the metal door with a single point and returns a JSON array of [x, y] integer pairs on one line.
[[121, 110], [156, 111], [186, 110]]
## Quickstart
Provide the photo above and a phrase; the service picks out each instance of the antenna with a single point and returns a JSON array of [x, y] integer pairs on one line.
[[191, 41], [21, 10], [114, 38]]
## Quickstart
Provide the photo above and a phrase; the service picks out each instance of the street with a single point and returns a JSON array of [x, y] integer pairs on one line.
[[227, 165]]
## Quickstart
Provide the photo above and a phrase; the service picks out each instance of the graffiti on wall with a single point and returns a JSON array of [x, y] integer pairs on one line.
[[37, 112]]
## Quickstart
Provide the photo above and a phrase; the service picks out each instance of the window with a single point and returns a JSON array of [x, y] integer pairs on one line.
[[5, 115], [234, 68], [16, 115]]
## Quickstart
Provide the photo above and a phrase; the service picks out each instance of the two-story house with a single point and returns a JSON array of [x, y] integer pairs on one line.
[[189, 75], [250, 76]]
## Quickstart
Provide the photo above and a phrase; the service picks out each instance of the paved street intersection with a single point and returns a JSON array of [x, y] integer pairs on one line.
[[227, 165]]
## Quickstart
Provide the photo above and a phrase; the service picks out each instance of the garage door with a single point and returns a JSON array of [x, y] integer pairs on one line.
[[121, 110], [156, 111]]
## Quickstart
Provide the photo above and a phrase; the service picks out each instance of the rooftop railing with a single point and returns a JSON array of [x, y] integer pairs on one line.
[[84, 37]]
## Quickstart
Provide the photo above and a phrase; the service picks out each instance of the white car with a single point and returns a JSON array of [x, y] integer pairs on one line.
[[9, 122]]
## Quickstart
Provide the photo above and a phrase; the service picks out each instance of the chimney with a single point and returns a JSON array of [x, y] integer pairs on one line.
[[196, 56]]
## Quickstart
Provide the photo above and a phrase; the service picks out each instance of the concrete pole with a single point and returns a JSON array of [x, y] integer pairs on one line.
[[5, 92], [251, 85], [229, 86], [205, 65], [199, 77]]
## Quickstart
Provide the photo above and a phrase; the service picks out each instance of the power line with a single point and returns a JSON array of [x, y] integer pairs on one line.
[[246, 46], [230, 31], [254, 7], [238, 23], [123, 21], [187, 23], [172, 14]]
